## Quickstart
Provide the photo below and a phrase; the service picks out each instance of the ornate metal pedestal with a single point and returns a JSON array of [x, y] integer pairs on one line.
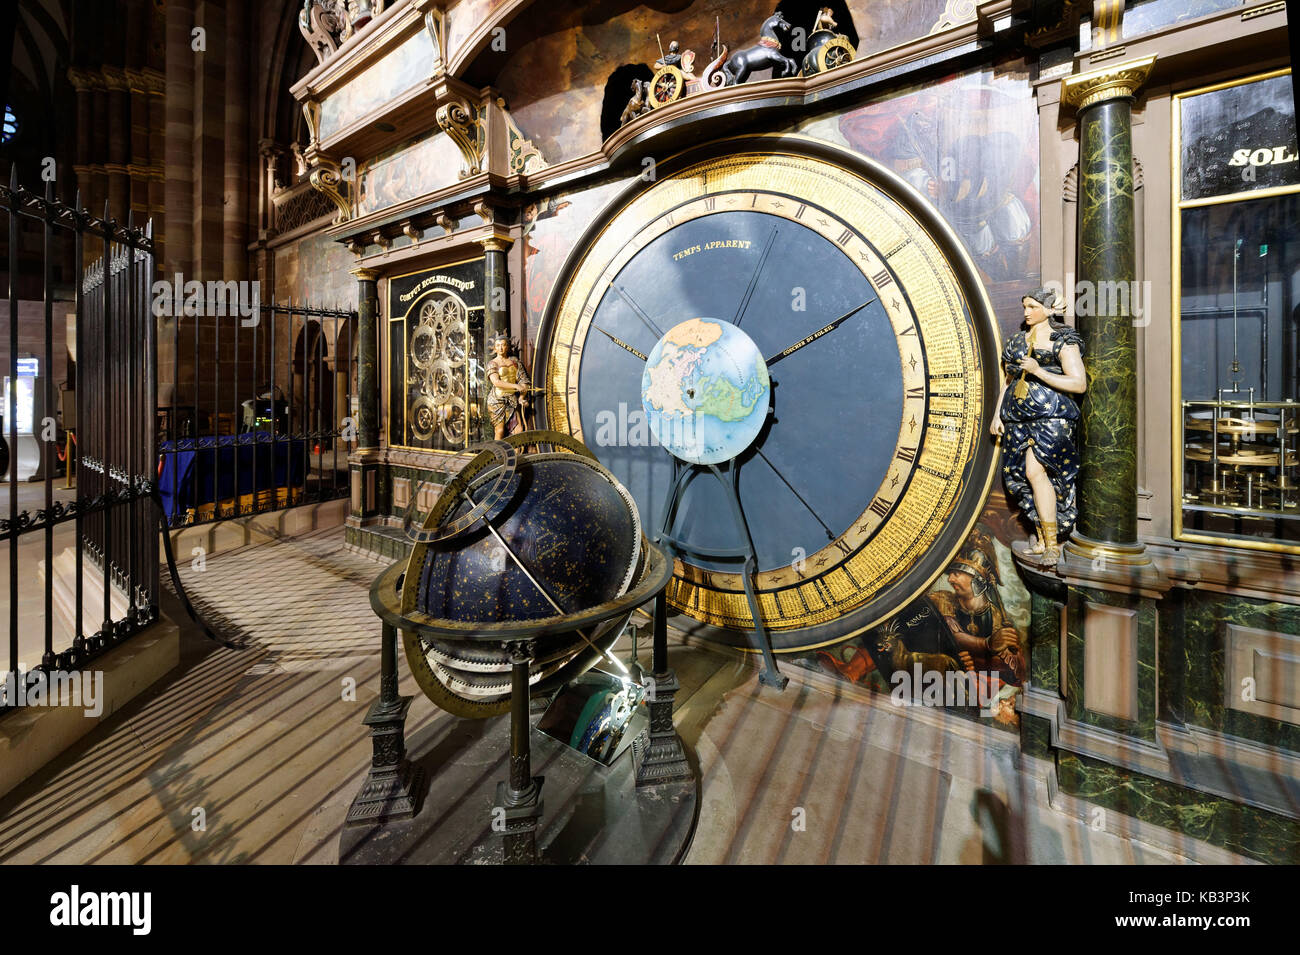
[[393, 787], [519, 800], [658, 753]]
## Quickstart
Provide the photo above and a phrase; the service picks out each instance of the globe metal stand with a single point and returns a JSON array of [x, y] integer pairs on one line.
[[727, 475], [602, 815], [519, 799], [393, 787], [658, 754]]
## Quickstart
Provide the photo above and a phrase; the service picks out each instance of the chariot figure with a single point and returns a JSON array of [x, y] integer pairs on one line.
[[765, 54]]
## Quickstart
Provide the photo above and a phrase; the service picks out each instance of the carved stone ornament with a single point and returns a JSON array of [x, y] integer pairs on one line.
[[955, 12], [327, 178], [435, 22], [311, 112], [463, 122], [525, 158], [327, 24], [324, 24]]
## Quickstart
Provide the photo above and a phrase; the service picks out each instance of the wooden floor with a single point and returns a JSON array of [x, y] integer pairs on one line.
[[253, 755]]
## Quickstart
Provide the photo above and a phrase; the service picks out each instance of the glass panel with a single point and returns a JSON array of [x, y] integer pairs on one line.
[[1239, 139], [1239, 316], [435, 347]]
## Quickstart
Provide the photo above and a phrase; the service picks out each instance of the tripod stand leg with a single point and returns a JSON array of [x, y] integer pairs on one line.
[[770, 676]]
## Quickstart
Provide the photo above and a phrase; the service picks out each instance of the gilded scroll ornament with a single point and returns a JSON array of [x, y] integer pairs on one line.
[[327, 178], [463, 122], [525, 158]]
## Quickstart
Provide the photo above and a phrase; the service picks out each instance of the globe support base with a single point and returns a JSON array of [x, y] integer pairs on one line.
[[594, 814], [517, 816], [393, 787], [658, 753]]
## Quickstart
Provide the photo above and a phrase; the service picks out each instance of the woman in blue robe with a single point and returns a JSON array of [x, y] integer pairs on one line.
[[1037, 417]]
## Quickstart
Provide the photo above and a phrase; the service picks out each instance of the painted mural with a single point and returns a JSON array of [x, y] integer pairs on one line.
[[969, 144], [963, 645], [413, 169], [1146, 15], [463, 18], [314, 271], [555, 84], [396, 73], [552, 228]]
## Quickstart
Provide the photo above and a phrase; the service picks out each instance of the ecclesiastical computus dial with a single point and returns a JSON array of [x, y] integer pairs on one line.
[[873, 461]]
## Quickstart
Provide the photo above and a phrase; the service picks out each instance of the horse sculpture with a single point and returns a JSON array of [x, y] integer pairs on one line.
[[764, 54], [638, 104]]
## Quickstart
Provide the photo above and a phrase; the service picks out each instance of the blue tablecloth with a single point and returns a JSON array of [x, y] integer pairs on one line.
[[220, 460]]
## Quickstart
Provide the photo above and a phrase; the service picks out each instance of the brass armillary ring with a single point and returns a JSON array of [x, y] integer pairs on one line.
[[492, 454]]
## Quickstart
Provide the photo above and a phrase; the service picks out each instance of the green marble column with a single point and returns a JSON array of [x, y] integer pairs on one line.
[[1106, 272], [496, 285], [363, 463], [367, 366], [496, 310], [1107, 260]]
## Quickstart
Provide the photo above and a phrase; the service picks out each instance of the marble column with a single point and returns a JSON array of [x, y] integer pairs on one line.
[[363, 463], [496, 310], [1107, 523], [368, 365], [496, 284]]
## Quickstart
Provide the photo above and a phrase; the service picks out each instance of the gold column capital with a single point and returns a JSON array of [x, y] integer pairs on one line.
[[1110, 82], [364, 274], [496, 243]]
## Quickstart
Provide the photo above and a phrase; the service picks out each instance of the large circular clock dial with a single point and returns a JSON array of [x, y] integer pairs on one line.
[[881, 349]]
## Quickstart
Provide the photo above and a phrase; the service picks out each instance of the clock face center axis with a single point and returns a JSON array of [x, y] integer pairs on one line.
[[705, 391]]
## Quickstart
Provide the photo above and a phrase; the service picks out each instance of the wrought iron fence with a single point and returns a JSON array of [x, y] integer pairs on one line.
[[265, 419], [113, 590], [257, 417]]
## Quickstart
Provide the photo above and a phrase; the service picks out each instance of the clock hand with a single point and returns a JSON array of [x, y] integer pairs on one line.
[[618, 341], [817, 334], [639, 312], [829, 534], [753, 280]]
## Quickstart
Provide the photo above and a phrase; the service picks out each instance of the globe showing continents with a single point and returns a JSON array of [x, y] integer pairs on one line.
[[705, 391]]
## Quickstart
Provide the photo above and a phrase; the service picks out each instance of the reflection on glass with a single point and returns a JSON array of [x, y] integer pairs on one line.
[[1240, 418], [1239, 139]]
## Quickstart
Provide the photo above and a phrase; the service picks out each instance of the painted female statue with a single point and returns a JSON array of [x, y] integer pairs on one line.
[[508, 399], [1037, 416]]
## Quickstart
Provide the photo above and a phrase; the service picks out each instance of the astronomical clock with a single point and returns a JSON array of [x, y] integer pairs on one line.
[[874, 458]]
